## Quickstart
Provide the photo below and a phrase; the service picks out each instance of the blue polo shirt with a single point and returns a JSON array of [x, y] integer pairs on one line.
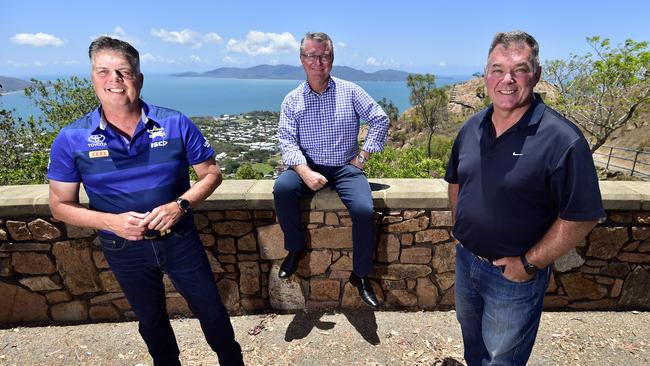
[[512, 188], [138, 175]]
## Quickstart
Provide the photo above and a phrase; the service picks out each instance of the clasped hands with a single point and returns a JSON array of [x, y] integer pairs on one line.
[[133, 225]]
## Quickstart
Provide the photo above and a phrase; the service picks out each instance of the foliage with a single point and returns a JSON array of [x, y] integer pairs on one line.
[[390, 108], [605, 90], [27, 143], [430, 103], [411, 162], [246, 171]]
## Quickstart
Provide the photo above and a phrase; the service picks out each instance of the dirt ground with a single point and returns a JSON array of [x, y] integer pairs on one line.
[[350, 338]]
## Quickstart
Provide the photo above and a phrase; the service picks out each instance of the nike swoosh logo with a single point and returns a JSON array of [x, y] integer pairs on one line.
[[515, 154]]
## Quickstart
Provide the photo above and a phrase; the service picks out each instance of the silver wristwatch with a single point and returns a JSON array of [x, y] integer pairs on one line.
[[362, 159]]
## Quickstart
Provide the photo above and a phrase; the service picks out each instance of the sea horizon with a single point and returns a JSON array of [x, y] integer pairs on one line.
[[207, 96]]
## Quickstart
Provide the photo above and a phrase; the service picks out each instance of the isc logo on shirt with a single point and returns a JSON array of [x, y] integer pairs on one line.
[[98, 154], [160, 143]]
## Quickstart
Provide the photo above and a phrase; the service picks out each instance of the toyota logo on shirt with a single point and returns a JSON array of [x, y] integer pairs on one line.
[[96, 140]]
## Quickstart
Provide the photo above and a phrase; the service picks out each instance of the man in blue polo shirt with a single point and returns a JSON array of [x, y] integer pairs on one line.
[[318, 131], [523, 191], [133, 160]]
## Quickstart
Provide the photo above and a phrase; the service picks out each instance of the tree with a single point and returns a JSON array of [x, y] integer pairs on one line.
[[603, 91], [390, 108], [430, 103], [246, 171]]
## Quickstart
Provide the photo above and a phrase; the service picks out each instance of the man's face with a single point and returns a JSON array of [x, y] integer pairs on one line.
[[510, 77], [116, 83], [317, 60]]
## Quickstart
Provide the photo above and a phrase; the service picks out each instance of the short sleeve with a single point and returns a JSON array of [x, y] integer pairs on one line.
[[451, 174], [197, 146], [62, 167]]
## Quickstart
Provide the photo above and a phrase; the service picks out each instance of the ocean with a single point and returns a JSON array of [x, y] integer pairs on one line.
[[202, 96]]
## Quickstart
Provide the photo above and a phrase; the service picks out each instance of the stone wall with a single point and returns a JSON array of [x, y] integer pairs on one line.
[[53, 272]]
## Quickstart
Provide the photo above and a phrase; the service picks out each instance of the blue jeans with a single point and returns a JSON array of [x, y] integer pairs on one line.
[[499, 318], [352, 186], [139, 266]]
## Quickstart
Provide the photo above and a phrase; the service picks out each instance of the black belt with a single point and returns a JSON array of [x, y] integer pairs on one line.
[[155, 234]]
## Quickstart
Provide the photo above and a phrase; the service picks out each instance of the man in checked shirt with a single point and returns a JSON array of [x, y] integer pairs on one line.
[[319, 125]]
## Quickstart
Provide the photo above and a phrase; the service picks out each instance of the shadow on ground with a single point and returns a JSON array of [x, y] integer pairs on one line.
[[303, 323]]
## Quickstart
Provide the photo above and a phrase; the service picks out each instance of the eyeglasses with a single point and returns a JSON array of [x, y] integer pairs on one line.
[[324, 58]]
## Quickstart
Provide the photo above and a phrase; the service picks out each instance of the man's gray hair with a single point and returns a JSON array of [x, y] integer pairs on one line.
[[318, 37], [105, 43], [517, 38]]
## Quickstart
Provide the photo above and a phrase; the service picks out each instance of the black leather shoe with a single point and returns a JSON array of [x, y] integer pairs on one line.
[[365, 290], [290, 264]]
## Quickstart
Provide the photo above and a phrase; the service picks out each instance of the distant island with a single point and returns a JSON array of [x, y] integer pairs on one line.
[[288, 72], [8, 84]]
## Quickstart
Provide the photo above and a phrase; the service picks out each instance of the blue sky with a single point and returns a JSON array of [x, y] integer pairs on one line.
[[47, 37]]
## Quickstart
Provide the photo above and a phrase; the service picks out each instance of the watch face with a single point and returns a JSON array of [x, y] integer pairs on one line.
[[184, 204]]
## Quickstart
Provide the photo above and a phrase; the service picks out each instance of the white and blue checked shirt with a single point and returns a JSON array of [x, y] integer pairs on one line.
[[325, 126]]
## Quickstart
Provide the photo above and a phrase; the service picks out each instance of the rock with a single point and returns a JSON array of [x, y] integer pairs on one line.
[[75, 232], [400, 271], [104, 313], [106, 298], [247, 243], [100, 260], [578, 287], [215, 266], [43, 230], [201, 221], [634, 257], [18, 305], [433, 236], [444, 257], [331, 238], [640, 233], [215, 215], [406, 239], [208, 240], [555, 302], [412, 225], [18, 230], [616, 288], [285, 294], [393, 285], [3, 235], [73, 311], [342, 264], [238, 215], [603, 304], [417, 255], [441, 218], [232, 228], [619, 270], [55, 297], [636, 289], [314, 263], [249, 278], [109, 282], [255, 305], [401, 298], [388, 248], [75, 265], [411, 214], [5, 267], [427, 293], [176, 305], [313, 217], [226, 245], [41, 283], [271, 240], [606, 242], [449, 297], [229, 293], [569, 261], [25, 247], [32, 263], [263, 214], [325, 290], [331, 219], [445, 280], [352, 300]]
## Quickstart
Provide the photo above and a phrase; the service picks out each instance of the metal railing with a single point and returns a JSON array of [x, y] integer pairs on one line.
[[634, 162]]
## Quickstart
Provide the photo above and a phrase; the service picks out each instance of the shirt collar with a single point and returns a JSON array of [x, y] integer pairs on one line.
[[100, 123], [331, 84], [532, 116]]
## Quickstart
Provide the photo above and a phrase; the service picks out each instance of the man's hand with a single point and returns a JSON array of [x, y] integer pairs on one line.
[[355, 162], [162, 217], [127, 225], [312, 179], [514, 269]]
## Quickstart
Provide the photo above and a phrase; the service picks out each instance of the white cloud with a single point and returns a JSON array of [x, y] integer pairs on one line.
[[261, 43], [196, 58], [443, 64], [148, 57], [186, 36], [118, 33], [341, 44], [37, 39], [372, 61], [230, 60]]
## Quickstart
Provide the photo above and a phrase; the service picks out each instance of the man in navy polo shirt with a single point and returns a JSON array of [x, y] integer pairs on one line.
[[133, 160], [523, 191]]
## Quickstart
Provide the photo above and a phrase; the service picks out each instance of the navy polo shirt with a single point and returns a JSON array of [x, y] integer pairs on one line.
[[138, 175], [512, 188]]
